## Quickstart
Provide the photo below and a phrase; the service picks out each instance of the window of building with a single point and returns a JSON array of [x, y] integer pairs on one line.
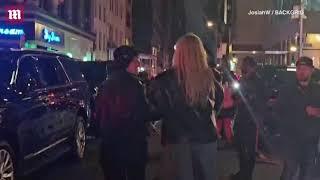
[[95, 9], [100, 13], [116, 35], [104, 14], [128, 20], [121, 38], [61, 9], [104, 42], [111, 33], [111, 5], [99, 41], [117, 8], [121, 12]]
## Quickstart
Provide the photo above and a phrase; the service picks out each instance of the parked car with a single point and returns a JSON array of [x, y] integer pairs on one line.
[[44, 110]]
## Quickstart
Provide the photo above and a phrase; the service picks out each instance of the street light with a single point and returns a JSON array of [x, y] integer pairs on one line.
[[293, 49], [210, 24]]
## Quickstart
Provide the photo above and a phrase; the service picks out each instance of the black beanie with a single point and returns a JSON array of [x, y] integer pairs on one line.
[[123, 55]]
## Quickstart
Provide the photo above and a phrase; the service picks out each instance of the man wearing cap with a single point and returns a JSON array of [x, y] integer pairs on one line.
[[122, 112], [298, 109]]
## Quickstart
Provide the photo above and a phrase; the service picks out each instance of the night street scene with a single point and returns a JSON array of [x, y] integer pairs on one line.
[[159, 90]]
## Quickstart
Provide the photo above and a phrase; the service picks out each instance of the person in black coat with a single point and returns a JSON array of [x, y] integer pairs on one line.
[[122, 113]]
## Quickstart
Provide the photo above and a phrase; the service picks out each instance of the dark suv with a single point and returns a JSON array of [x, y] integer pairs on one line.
[[44, 110]]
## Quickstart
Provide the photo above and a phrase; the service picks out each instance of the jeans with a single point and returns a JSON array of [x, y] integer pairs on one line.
[[303, 166], [194, 161]]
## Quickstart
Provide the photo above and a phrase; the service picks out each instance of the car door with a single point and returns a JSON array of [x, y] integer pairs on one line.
[[78, 91], [56, 82], [35, 113]]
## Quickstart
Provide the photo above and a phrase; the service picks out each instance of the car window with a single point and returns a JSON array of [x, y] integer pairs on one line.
[[6, 70], [50, 73], [27, 78], [72, 69]]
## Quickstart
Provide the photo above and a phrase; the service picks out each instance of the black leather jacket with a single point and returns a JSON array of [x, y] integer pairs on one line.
[[181, 122]]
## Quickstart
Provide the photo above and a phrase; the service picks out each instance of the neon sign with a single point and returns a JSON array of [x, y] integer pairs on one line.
[[51, 36], [11, 31]]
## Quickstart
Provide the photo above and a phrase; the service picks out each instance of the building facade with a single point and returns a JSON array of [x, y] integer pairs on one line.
[[285, 32], [274, 38], [54, 25], [113, 26]]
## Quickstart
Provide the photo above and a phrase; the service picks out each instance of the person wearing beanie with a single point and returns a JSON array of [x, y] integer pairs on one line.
[[122, 112], [298, 113]]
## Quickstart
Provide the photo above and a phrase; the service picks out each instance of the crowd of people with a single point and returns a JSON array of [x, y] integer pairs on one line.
[[198, 106]]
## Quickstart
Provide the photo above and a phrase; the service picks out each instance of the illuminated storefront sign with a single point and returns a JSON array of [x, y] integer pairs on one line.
[[50, 36], [11, 31]]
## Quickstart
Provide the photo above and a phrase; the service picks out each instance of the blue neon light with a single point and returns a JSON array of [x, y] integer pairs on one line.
[[11, 31], [51, 36]]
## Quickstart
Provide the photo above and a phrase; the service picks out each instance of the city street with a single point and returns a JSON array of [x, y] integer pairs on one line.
[[65, 169]]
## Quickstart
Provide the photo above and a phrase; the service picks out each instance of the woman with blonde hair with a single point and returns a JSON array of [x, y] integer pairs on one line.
[[184, 97]]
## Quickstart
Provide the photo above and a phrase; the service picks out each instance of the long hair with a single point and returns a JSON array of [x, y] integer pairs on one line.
[[190, 62]]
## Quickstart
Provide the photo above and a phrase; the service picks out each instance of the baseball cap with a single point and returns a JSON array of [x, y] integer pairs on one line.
[[305, 61]]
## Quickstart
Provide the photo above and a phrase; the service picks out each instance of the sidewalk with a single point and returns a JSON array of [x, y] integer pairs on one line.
[[227, 164]]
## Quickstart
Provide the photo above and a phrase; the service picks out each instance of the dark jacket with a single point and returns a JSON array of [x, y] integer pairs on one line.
[[122, 109], [182, 123], [252, 104], [295, 125]]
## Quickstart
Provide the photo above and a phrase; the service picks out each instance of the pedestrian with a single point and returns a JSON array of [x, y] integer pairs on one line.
[[251, 106], [122, 112], [298, 110], [182, 95], [227, 114]]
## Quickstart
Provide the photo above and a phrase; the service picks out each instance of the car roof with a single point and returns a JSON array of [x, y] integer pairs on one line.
[[20, 52]]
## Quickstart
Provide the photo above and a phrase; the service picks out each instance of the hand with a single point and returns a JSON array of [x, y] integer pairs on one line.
[[313, 111]]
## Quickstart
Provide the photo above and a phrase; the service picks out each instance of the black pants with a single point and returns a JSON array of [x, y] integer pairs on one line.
[[120, 162], [246, 142]]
